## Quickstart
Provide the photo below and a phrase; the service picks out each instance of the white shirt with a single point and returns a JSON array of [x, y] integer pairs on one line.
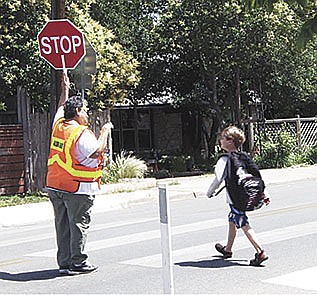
[[86, 145], [220, 175]]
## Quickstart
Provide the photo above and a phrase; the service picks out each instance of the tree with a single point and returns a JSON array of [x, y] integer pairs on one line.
[[197, 52], [133, 23], [291, 85], [210, 55], [305, 9], [20, 21], [117, 72]]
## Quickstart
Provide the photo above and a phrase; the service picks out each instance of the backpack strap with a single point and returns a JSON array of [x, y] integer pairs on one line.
[[220, 190]]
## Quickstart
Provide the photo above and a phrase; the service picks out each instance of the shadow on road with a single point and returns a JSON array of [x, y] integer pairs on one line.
[[219, 262], [38, 275]]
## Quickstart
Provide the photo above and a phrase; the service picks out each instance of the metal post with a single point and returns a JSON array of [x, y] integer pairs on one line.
[[167, 264], [298, 130], [251, 136], [82, 78]]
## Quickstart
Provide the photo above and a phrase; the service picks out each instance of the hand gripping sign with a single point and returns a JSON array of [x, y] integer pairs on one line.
[[61, 44]]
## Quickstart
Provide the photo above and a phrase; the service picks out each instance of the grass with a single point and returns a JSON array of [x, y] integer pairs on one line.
[[21, 199]]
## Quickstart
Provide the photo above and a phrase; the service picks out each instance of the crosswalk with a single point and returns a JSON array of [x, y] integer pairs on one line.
[[201, 251], [138, 237], [302, 279]]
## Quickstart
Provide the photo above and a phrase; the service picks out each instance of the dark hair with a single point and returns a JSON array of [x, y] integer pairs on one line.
[[71, 105]]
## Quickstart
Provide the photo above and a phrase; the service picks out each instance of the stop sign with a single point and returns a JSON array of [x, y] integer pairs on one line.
[[61, 44]]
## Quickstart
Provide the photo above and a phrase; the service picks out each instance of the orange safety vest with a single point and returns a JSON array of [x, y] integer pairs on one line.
[[64, 171]]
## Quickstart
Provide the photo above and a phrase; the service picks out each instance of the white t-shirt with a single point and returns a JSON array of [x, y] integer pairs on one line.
[[220, 175], [86, 145]]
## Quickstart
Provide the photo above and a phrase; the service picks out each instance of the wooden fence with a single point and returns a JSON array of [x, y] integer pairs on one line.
[[36, 135], [11, 159]]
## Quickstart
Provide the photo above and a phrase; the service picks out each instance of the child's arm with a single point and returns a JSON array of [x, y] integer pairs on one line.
[[220, 174]]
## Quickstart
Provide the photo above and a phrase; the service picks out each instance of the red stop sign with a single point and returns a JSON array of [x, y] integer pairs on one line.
[[61, 44]]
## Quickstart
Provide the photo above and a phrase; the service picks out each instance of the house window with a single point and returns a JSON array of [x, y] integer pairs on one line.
[[144, 139], [132, 129], [128, 139], [144, 129]]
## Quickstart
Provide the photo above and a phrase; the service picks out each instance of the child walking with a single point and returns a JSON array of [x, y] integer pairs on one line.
[[231, 139]]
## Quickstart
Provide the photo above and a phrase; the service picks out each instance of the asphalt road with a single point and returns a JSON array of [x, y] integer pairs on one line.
[[126, 245]]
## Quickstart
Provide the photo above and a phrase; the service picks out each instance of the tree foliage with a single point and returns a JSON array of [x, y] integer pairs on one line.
[[132, 21], [304, 9], [20, 21], [117, 70], [208, 43], [21, 65]]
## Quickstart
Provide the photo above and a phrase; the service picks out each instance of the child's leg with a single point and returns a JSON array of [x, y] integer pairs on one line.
[[250, 233], [260, 254], [232, 231]]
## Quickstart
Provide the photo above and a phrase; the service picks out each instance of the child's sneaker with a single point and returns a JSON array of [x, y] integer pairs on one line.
[[259, 258], [221, 249]]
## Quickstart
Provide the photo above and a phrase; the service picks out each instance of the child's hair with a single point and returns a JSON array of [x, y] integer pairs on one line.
[[233, 132]]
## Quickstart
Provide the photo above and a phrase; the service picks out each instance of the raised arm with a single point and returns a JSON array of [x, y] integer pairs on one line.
[[64, 96]]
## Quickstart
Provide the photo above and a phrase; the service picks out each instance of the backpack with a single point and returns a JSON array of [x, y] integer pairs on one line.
[[247, 194]]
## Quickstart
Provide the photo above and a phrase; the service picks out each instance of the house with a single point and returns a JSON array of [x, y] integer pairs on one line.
[[153, 130]]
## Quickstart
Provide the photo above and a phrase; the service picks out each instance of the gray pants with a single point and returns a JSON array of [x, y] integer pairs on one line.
[[72, 220]]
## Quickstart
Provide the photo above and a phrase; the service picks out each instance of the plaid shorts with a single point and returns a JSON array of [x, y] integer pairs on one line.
[[239, 218]]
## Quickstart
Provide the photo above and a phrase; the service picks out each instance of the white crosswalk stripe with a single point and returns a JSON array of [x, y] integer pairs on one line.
[[303, 279], [204, 250], [139, 237], [50, 229]]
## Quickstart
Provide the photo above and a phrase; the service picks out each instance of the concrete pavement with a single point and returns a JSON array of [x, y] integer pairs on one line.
[[178, 188]]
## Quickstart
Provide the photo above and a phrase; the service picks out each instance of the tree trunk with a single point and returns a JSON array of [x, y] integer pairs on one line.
[[238, 98], [217, 118]]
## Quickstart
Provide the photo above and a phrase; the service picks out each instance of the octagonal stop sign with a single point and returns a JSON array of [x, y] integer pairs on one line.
[[61, 44]]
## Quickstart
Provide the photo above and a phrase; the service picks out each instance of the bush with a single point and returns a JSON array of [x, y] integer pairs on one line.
[[124, 167], [278, 151], [311, 155], [176, 163]]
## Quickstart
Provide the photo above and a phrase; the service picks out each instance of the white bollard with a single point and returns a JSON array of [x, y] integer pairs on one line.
[[166, 241]]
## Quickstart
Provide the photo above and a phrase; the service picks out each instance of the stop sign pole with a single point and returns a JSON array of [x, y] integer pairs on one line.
[[61, 44]]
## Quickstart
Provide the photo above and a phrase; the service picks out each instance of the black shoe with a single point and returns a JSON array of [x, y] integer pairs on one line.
[[259, 258], [221, 249], [84, 267]]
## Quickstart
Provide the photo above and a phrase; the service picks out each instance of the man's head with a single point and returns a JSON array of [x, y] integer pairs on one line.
[[234, 134], [76, 108]]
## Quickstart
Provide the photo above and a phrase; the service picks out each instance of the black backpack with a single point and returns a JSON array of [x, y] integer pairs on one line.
[[248, 194]]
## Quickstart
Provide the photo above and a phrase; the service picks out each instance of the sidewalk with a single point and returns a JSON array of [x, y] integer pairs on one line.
[[178, 188]]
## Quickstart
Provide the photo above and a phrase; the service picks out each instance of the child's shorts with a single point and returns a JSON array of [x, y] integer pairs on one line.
[[239, 218]]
